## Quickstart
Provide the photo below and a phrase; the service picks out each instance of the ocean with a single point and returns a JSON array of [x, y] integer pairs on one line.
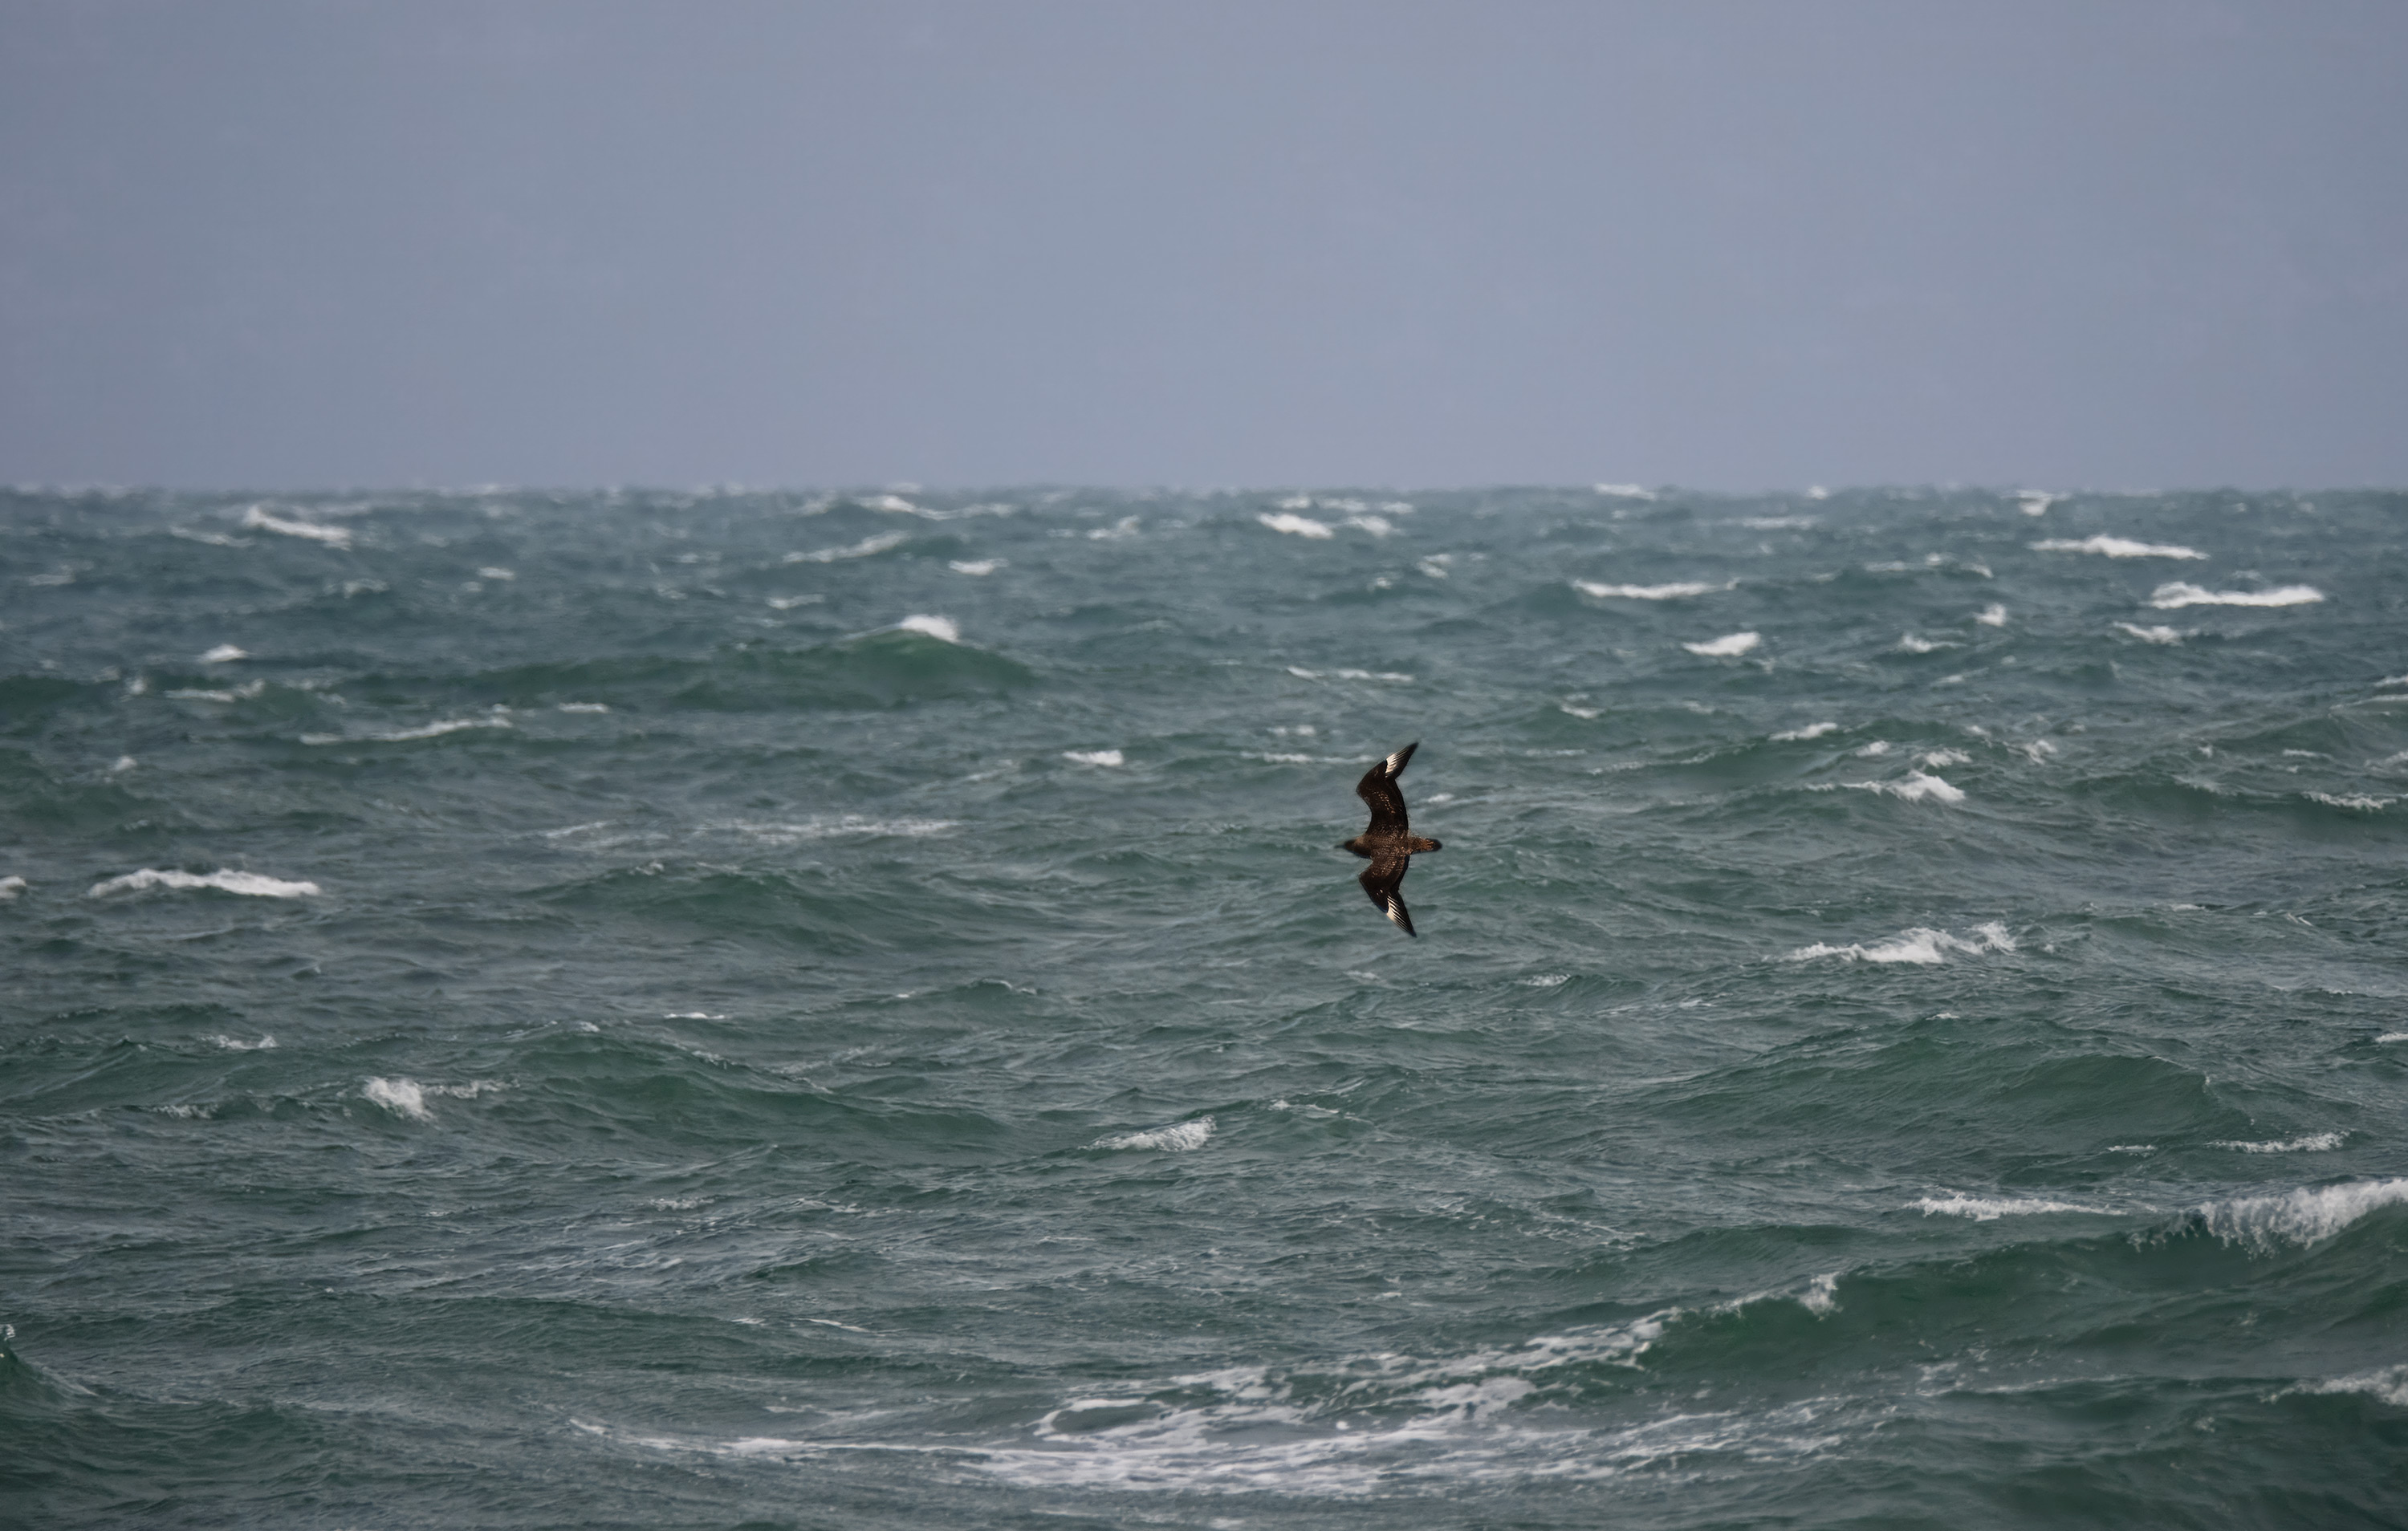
[[783, 1009]]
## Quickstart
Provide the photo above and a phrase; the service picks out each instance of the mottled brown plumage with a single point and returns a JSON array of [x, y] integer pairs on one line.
[[1389, 844]]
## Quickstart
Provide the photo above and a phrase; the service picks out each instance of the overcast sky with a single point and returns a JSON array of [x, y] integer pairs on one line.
[[966, 242]]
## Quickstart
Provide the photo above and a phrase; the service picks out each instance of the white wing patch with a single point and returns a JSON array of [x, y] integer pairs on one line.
[[1393, 763]]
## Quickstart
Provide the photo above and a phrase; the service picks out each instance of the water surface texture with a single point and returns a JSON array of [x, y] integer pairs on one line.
[[784, 1009]]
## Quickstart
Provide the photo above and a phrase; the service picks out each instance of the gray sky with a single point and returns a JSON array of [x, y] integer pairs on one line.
[[962, 243]]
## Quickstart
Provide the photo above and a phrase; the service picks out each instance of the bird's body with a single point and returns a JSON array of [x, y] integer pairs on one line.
[[1388, 843]]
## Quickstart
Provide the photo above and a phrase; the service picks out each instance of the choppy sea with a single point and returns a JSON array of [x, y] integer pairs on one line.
[[807, 1009]]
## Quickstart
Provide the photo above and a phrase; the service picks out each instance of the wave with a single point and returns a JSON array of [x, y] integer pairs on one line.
[[2306, 1216], [1651, 592], [1921, 947], [257, 519], [1295, 526], [1990, 1209], [1181, 1138], [2117, 547], [1729, 646], [250, 884], [2168, 597]]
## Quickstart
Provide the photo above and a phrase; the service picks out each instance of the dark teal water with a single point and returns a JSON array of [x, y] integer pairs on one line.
[[599, 1009]]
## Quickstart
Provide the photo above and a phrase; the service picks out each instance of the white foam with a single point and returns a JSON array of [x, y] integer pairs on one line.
[[1545, 981], [1351, 675], [1934, 759], [2315, 1142], [10, 887], [2117, 547], [1909, 643], [863, 548], [1376, 525], [2167, 597], [225, 654], [1820, 1295], [945, 628], [584, 706], [405, 735], [787, 602], [892, 504], [1626, 492], [237, 694], [402, 1097], [1917, 786], [1181, 1138], [2357, 800], [121, 765], [1127, 526], [1295, 526], [250, 884], [1811, 731], [1990, 1209], [494, 572], [2298, 1217], [977, 569], [332, 536], [1435, 565], [1650, 592], [1992, 615], [1779, 524], [1729, 646], [1878, 747], [236, 1044], [1921, 946], [776, 833], [1093, 757], [2150, 634], [2389, 1385], [2392, 1036], [2034, 502]]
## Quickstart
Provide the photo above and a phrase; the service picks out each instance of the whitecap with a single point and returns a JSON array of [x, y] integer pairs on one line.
[[1376, 525], [1626, 492], [1917, 786], [1295, 526], [1435, 565], [584, 706], [1180, 1138], [1650, 592], [2392, 1036], [1992, 615], [2315, 1142], [1934, 759], [945, 628], [405, 736], [250, 884], [236, 1044], [2035, 502], [976, 567], [863, 548], [2166, 597], [332, 536], [2387, 1384], [2150, 634], [1990, 1209], [236, 694], [10, 887], [225, 654], [1811, 731], [787, 602], [1921, 946], [1777, 523], [494, 572], [1909, 643], [1729, 646], [1820, 1295], [1093, 757], [1126, 527], [2117, 547], [2357, 801], [2305, 1216], [402, 1097]]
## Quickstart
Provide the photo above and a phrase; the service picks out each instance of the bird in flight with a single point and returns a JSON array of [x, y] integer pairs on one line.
[[1387, 844]]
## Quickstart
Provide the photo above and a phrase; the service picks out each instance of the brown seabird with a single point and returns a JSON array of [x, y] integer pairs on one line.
[[1387, 844]]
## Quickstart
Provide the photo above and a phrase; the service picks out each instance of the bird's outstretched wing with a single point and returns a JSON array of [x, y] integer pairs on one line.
[[1379, 788], [1384, 879]]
